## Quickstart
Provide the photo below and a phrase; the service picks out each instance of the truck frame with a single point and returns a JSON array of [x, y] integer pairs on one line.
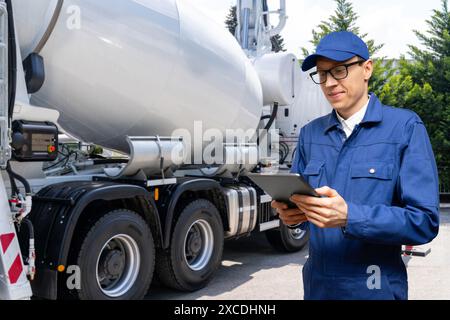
[[93, 235]]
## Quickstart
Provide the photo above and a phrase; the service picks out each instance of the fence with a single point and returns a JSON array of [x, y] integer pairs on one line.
[[444, 184]]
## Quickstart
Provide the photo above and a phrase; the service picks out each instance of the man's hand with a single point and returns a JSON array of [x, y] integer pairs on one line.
[[329, 212], [289, 216]]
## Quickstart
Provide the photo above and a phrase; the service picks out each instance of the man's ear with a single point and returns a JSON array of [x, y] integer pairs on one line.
[[368, 69]]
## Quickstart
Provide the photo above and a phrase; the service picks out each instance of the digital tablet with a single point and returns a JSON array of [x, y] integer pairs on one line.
[[281, 186]]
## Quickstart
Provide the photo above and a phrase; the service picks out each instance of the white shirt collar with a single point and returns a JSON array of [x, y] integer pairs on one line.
[[349, 124]]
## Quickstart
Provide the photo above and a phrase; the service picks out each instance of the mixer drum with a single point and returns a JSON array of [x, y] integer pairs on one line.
[[138, 68]]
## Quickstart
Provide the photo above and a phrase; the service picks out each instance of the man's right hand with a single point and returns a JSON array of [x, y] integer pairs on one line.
[[289, 216]]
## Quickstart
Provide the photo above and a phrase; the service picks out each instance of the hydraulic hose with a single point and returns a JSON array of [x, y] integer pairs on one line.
[[18, 177], [12, 58]]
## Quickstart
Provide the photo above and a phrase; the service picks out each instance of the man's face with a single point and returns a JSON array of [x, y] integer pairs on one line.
[[347, 94]]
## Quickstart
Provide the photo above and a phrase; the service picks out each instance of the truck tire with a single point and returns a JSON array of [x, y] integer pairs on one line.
[[117, 258], [195, 251], [284, 239]]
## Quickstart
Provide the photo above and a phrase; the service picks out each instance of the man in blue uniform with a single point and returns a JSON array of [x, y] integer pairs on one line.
[[377, 177]]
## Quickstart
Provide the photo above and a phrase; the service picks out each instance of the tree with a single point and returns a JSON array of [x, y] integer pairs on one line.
[[277, 43], [345, 19], [422, 85], [231, 24], [231, 20], [432, 64]]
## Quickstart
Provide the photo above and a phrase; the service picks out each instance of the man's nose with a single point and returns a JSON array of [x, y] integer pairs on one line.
[[331, 82]]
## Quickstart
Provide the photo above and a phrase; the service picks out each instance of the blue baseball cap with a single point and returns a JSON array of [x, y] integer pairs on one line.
[[338, 46]]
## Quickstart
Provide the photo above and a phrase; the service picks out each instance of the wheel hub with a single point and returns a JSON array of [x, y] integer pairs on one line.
[[298, 232], [114, 263], [194, 242], [118, 265], [198, 245]]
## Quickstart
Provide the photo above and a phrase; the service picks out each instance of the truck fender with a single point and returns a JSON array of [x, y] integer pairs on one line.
[[198, 184], [56, 211]]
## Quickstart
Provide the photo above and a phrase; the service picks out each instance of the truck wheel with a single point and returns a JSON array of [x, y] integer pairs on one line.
[[284, 239], [117, 258], [196, 247]]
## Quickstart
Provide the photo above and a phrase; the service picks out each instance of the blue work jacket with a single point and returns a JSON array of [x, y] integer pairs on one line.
[[386, 172]]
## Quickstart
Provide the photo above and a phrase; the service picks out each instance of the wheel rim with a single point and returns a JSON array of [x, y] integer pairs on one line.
[[297, 233], [118, 265], [198, 245]]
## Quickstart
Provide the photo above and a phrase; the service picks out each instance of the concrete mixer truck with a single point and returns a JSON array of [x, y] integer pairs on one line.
[[105, 181]]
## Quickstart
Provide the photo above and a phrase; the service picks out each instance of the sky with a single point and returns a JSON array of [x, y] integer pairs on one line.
[[388, 22]]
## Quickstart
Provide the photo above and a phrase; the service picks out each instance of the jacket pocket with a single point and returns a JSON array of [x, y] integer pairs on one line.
[[372, 182], [372, 170], [314, 172]]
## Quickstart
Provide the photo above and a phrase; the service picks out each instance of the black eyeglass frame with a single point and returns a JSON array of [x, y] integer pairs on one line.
[[347, 65]]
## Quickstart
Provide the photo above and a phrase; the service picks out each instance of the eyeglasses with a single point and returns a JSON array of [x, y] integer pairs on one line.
[[338, 73]]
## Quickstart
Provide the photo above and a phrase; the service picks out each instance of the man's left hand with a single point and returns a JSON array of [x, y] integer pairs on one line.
[[328, 212]]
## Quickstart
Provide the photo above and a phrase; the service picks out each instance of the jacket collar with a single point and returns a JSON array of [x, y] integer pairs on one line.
[[374, 114]]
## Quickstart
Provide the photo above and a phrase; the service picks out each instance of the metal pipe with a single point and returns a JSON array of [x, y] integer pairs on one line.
[[245, 27], [245, 8], [282, 23]]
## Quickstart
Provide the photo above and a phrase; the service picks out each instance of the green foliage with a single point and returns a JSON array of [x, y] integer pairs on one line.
[[277, 43], [433, 64], [345, 19], [231, 20], [382, 71], [423, 85]]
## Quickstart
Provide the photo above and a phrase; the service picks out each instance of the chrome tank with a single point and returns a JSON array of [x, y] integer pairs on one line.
[[122, 68]]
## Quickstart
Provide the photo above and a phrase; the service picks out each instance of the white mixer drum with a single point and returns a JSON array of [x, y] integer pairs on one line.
[[139, 68]]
